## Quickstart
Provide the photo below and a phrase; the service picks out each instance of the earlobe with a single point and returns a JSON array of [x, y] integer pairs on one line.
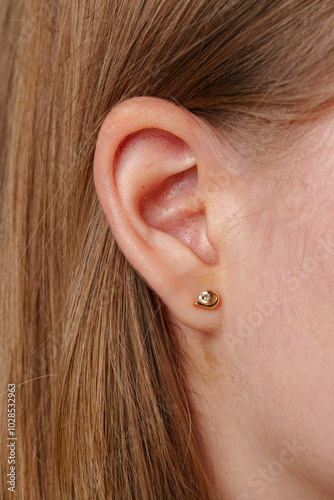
[[147, 180]]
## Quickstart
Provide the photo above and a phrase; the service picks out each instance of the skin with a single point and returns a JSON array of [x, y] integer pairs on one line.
[[258, 229]]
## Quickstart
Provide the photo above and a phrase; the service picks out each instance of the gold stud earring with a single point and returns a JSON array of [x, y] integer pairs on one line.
[[209, 299]]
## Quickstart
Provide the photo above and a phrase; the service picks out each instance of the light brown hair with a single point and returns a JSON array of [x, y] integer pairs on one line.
[[101, 407]]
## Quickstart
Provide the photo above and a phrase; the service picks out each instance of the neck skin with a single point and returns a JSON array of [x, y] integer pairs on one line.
[[246, 459]]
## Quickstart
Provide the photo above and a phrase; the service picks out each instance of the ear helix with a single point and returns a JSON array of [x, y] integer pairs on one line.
[[208, 299]]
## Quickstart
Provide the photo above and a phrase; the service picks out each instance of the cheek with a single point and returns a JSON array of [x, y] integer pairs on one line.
[[291, 362], [283, 339], [283, 326]]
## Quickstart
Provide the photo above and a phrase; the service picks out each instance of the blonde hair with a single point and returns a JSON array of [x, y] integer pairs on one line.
[[101, 407]]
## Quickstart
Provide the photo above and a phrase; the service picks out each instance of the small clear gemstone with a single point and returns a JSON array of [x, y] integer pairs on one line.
[[204, 297]]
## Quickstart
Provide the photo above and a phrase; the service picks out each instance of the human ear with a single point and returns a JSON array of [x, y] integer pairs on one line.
[[151, 168]]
